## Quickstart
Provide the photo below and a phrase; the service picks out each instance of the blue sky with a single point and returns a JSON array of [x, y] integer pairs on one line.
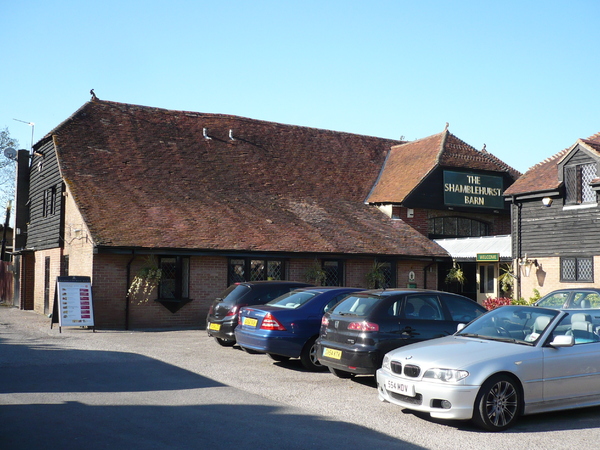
[[519, 76]]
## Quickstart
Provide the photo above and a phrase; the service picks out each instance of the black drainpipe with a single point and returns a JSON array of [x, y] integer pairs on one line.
[[127, 290]]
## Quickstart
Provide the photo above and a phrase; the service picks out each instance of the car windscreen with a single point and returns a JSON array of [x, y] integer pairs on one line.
[[356, 305], [521, 325], [292, 300], [233, 293]]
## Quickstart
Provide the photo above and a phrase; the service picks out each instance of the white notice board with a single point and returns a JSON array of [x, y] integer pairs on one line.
[[73, 302]]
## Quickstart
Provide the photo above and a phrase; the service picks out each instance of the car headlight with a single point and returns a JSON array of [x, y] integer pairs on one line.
[[448, 375], [386, 363]]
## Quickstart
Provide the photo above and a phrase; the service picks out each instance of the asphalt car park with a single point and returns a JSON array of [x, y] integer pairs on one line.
[[177, 389]]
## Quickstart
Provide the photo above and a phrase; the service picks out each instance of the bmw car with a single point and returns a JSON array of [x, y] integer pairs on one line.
[[512, 361]]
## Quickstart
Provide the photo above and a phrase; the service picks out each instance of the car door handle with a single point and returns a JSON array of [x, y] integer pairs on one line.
[[410, 331]]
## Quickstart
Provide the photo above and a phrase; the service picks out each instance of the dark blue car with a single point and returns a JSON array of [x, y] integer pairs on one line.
[[288, 326]]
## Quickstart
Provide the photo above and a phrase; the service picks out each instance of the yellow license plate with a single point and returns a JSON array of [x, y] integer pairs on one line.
[[214, 326], [249, 322], [331, 353]]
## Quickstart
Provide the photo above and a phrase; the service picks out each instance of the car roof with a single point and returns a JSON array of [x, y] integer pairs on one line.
[[584, 289], [272, 283], [327, 288], [401, 291]]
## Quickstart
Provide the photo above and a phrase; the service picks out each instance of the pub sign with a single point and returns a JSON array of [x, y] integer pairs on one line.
[[473, 190]]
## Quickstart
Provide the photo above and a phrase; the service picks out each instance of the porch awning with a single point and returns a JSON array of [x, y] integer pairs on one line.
[[467, 249]]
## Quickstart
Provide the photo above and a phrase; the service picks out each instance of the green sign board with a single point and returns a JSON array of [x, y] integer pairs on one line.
[[488, 257], [473, 190]]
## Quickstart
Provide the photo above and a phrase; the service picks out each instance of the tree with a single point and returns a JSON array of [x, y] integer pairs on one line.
[[7, 169]]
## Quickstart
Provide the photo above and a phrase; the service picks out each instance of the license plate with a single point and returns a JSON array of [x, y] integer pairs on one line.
[[214, 326], [331, 353], [407, 389], [248, 321]]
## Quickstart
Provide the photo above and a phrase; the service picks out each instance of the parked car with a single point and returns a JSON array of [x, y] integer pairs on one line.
[[222, 317], [288, 326], [360, 330], [585, 298], [514, 360]]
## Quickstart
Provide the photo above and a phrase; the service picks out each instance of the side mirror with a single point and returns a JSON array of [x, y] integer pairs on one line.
[[460, 326], [563, 341]]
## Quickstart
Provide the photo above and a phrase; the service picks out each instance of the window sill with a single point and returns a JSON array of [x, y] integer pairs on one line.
[[174, 300], [173, 304], [582, 206]]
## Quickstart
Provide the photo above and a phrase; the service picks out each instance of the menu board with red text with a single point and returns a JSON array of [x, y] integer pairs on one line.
[[74, 298]]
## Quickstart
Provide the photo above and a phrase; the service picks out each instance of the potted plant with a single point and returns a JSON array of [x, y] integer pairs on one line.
[[315, 274], [145, 280], [456, 274], [376, 276]]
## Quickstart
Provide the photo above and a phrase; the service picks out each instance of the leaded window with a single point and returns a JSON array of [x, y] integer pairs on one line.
[[577, 269], [334, 273], [255, 269], [577, 183], [175, 278], [388, 269]]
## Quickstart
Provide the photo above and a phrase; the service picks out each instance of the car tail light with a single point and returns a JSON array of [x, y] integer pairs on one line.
[[233, 311], [363, 326], [210, 310], [271, 323], [325, 321]]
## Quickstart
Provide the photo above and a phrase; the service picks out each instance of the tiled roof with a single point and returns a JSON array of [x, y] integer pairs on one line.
[[147, 177], [544, 176], [409, 163]]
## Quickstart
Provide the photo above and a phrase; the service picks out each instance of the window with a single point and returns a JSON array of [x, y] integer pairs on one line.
[[486, 279], [577, 269], [253, 269], [175, 278], [64, 267], [388, 268], [334, 273], [452, 227], [461, 310], [423, 307], [579, 325], [49, 205], [577, 184]]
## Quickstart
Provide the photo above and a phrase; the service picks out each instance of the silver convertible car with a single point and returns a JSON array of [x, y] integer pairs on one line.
[[513, 360]]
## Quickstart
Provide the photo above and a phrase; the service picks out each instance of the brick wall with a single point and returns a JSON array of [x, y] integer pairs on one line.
[[39, 286], [546, 277], [208, 278]]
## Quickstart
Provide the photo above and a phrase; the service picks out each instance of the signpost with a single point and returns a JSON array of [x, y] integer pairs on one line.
[[73, 305]]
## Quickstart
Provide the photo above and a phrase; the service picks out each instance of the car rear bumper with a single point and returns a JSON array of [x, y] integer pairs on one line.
[[222, 329], [442, 401], [358, 361], [279, 345]]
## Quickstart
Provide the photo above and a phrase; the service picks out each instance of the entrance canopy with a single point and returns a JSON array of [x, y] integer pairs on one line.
[[480, 249]]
